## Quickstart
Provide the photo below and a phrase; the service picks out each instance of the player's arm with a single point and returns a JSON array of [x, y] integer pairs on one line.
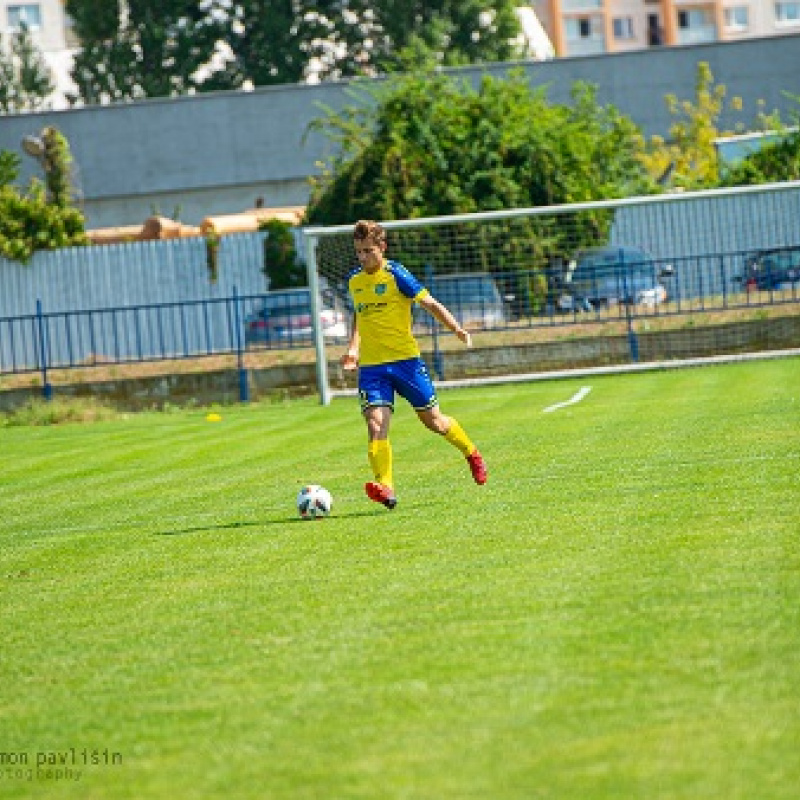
[[434, 307], [350, 359]]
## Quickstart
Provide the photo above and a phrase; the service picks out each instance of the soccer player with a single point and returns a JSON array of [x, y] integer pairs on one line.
[[387, 356]]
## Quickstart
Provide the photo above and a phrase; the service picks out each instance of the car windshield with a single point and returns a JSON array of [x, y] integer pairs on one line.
[[288, 301], [463, 291], [613, 262], [612, 265], [782, 260]]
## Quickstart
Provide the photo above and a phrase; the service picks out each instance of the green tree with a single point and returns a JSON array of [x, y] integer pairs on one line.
[[26, 81], [9, 167], [688, 158], [161, 48], [374, 37], [425, 145], [43, 217], [142, 48], [281, 264], [271, 42], [29, 223], [777, 161], [282, 41], [57, 163]]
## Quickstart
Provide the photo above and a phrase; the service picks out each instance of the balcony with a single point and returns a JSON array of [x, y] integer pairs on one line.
[[697, 34], [585, 47]]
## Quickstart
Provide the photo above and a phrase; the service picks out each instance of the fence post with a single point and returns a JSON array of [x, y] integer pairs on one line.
[[724, 281], [244, 389], [633, 340], [47, 389]]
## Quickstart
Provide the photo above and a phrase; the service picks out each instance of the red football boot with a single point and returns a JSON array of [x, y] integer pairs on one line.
[[380, 493], [477, 467]]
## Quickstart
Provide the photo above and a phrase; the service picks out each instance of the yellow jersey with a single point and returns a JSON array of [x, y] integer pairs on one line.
[[383, 302]]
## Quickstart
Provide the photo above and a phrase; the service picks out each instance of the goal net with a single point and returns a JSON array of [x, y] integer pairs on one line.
[[582, 285]]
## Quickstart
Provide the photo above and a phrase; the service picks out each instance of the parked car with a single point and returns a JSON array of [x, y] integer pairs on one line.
[[473, 297], [771, 269], [284, 317], [600, 277]]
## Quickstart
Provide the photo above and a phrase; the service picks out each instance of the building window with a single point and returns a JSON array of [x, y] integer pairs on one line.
[[696, 18], [29, 15], [582, 28], [788, 13], [736, 18], [655, 33], [623, 28]]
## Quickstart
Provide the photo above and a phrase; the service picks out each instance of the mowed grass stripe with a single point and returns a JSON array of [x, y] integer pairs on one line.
[[131, 467]]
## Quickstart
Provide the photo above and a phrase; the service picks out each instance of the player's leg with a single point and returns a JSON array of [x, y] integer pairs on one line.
[[449, 427], [414, 383], [377, 403], [379, 454], [379, 448]]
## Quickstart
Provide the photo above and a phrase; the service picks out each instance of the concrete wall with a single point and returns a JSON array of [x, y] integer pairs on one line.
[[216, 153]]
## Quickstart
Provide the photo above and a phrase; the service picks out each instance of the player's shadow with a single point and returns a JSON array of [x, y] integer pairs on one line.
[[262, 523]]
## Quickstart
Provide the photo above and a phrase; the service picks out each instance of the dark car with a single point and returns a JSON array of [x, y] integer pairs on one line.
[[600, 277], [771, 269], [284, 317]]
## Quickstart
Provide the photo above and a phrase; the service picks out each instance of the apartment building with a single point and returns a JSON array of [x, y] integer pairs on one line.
[[589, 27], [50, 30]]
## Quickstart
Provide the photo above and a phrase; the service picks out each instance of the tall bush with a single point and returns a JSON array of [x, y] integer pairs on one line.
[[282, 266], [44, 216], [425, 144]]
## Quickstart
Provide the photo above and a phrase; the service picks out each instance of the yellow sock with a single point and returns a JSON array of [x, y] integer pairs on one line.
[[458, 438], [379, 453]]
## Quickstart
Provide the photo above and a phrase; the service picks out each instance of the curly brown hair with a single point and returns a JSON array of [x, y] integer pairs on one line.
[[368, 231]]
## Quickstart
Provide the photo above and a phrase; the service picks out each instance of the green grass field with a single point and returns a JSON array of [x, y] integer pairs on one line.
[[615, 614]]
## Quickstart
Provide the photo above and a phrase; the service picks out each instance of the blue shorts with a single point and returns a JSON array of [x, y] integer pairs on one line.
[[409, 378]]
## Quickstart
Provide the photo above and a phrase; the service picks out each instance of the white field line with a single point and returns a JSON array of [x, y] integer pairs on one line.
[[576, 398]]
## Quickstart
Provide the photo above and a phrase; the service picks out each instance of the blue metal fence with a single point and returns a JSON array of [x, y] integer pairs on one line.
[[44, 340]]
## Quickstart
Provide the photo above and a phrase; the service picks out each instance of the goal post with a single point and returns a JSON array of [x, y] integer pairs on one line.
[[521, 277], [320, 354], [496, 246]]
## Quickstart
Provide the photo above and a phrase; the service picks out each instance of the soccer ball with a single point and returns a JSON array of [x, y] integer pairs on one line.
[[314, 502]]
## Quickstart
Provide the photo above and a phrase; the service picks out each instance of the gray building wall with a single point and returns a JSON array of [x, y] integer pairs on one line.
[[216, 153]]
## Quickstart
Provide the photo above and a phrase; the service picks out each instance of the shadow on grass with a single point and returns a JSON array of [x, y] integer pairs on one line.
[[262, 523]]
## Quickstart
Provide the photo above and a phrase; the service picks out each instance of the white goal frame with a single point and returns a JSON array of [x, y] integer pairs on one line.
[[787, 194]]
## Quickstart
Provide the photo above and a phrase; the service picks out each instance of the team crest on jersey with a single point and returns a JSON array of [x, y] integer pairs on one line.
[[380, 288]]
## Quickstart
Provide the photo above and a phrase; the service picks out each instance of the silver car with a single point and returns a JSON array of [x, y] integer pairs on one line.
[[600, 277], [473, 298]]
